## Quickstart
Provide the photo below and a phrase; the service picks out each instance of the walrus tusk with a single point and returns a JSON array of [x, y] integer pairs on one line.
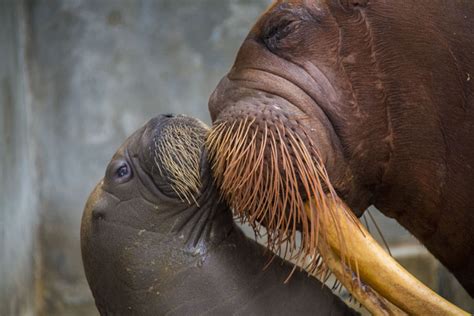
[[375, 267], [371, 300]]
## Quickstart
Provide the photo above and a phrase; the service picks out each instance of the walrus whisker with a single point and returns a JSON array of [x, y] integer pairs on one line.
[[291, 273], [227, 137], [270, 260], [267, 191], [182, 162], [241, 137], [254, 198], [257, 162], [304, 175], [379, 232], [294, 214], [211, 135]]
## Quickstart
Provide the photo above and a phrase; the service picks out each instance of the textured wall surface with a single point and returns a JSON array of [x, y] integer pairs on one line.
[[18, 209], [76, 78]]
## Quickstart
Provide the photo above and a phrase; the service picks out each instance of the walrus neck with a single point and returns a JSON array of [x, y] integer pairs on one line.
[[209, 222]]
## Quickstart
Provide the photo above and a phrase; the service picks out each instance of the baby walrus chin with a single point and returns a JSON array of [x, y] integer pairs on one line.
[[157, 239]]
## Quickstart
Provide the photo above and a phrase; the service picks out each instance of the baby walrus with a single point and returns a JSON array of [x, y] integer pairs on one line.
[[156, 238]]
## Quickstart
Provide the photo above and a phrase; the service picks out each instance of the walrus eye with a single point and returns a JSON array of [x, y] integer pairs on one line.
[[278, 32], [122, 171], [286, 28]]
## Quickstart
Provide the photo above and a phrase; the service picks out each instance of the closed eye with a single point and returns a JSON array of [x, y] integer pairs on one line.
[[277, 31], [282, 29]]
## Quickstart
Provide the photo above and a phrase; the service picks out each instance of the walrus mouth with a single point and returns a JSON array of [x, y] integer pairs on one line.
[[272, 175]]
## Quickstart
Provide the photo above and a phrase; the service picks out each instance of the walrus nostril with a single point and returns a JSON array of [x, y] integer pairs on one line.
[[168, 115], [98, 214]]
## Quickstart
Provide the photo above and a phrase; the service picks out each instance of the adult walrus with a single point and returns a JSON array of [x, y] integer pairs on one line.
[[156, 239], [371, 102]]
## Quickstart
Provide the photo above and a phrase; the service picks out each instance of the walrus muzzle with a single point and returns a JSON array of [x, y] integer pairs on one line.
[[274, 176]]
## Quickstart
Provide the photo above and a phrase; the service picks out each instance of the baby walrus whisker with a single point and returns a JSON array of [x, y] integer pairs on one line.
[[157, 238]]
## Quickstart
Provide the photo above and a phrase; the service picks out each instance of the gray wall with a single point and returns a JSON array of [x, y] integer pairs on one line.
[[77, 77], [19, 212]]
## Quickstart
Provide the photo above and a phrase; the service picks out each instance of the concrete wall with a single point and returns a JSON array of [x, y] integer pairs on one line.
[[19, 214], [77, 77]]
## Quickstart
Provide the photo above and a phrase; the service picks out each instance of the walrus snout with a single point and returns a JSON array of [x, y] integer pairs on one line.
[[165, 163], [272, 148], [101, 206], [91, 211], [153, 128]]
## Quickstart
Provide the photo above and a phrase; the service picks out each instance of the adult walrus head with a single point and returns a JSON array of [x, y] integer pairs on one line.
[[369, 102], [157, 239]]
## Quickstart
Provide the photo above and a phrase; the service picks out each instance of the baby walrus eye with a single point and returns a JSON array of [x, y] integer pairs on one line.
[[119, 171], [122, 171]]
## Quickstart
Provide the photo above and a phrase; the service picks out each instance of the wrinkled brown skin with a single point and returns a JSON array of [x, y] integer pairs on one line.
[[146, 252], [386, 91]]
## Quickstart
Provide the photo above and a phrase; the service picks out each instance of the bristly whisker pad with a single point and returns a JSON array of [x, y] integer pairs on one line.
[[267, 172]]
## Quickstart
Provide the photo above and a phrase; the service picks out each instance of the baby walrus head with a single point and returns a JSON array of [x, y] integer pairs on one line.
[[156, 239], [148, 216]]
